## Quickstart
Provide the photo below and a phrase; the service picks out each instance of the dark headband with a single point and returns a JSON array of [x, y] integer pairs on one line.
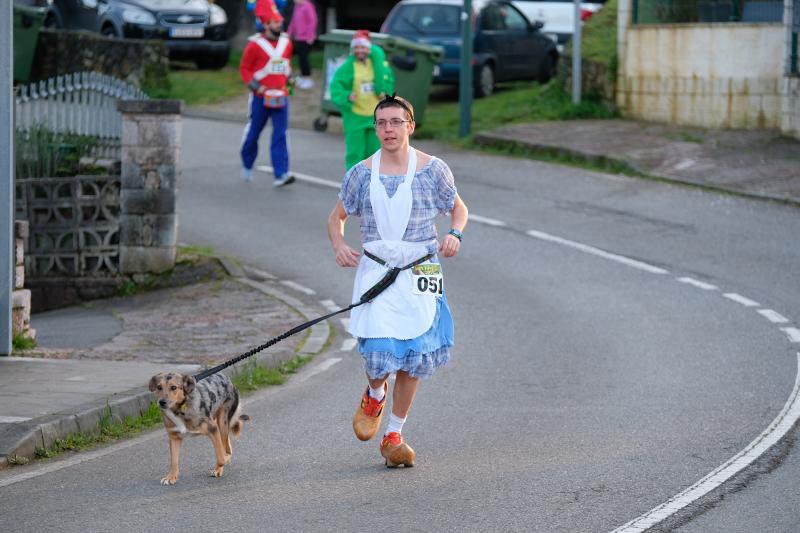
[[392, 99]]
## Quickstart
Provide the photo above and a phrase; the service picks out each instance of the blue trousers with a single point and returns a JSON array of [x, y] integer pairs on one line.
[[278, 147]]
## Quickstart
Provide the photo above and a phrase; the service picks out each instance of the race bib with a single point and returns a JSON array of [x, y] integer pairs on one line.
[[367, 87], [279, 66], [427, 279]]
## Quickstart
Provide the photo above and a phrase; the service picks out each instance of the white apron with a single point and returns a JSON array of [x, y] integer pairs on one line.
[[397, 312]]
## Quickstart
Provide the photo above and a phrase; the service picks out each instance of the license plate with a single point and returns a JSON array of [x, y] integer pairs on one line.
[[183, 33], [436, 70]]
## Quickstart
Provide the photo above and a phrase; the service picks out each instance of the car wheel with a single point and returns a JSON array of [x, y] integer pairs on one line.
[[320, 123], [547, 69], [109, 31], [484, 85], [213, 62]]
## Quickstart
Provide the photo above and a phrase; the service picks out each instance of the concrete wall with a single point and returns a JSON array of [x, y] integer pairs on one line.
[[708, 75]]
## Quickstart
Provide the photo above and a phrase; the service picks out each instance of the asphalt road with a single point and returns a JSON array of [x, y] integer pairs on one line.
[[599, 368]]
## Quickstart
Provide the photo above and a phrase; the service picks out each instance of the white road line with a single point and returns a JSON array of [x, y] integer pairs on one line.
[[785, 420], [305, 177], [338, 184], [738, 298], [697, 283], [773, 316], [78, 459], [486, 220], [298, 287], [318, 369], [348, 345], [330, 305], [792, 333], [598, 252], [12, 419]]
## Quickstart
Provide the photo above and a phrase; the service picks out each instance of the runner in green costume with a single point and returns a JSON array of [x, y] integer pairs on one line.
[[356, 88]]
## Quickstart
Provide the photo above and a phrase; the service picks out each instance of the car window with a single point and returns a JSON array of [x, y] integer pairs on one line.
[[499, 17], [514, 20], [426, 19]]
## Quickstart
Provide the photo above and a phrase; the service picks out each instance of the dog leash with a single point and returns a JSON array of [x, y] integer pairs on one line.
[[368, 296]]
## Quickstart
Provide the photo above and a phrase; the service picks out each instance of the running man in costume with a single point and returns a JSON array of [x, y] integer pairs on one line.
[[265, 69], [407, 330], [356, 88]]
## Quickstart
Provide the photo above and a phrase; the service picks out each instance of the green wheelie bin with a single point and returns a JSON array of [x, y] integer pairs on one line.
[[412, 64], [27, 22]]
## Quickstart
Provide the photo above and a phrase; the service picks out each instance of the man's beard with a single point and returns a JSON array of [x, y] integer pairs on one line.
[[274, 33]]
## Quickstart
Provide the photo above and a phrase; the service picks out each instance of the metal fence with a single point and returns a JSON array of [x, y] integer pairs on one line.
[[83, 103], [688, 11]]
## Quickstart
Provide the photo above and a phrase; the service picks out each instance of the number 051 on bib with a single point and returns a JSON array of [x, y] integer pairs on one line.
[[427, 279]]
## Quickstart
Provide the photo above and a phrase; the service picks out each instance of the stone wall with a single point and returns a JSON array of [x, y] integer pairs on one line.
[[151, 139], [21, 297], [143, 63], [597, 79]]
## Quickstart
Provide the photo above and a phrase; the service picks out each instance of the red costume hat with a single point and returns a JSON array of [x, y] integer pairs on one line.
[[267, 11], [360, 38]]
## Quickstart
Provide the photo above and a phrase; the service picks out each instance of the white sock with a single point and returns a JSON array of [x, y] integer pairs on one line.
[[377, 394], [395, 424]]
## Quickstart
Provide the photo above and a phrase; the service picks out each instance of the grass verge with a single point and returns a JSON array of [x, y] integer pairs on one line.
[[253, 376], [193, 264], [20, 343], [511, 104], [109, 430], [202, 87]]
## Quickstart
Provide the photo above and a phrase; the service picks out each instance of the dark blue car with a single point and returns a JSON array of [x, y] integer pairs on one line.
[[506, 46]]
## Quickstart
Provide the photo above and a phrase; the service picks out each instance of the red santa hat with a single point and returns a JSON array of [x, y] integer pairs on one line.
[[360, 38], [266, 11]]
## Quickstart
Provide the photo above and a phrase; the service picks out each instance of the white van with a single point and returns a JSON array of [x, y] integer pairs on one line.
[[558, 16]]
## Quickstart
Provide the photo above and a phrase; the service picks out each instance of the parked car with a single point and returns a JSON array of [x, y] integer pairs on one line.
[[192, 29], [557, 16], [506, 46]]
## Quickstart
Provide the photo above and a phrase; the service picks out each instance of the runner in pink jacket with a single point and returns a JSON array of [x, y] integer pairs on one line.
[[303, 31]]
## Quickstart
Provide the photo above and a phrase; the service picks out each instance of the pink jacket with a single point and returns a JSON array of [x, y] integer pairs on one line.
[[303, 26]]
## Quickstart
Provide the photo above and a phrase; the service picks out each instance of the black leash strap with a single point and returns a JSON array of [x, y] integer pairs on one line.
[[369, 295]]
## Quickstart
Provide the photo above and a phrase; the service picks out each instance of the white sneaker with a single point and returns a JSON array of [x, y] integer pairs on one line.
[[285, 179], [247, 174], [306, 83]]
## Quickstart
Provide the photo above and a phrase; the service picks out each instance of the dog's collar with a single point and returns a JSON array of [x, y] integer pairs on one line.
[[181, 407]]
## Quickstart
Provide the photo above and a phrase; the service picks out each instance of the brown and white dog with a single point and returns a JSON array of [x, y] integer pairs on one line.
[[189, 407]]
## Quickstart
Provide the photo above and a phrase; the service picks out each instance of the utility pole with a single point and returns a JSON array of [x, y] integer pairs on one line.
[[465, 75], [6, 174], [576, 55]]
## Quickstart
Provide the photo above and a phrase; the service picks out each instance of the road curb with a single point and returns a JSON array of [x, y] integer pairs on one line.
[[490, 140], [19, 441]]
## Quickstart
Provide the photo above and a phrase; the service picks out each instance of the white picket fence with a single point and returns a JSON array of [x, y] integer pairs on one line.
[[83, 103]]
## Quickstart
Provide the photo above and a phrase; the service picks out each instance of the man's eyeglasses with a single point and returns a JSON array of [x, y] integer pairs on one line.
[[395, 123]]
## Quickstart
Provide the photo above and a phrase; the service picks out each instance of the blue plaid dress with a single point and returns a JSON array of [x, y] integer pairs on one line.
[[433, 193]]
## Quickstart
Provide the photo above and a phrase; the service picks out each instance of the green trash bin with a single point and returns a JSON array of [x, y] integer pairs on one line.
[[412, 64], [27, 22]]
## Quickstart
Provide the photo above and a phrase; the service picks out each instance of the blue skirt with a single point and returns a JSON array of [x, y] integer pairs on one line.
[[419, 357]]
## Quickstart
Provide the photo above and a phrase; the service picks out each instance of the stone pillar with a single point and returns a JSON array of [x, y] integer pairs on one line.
[[21, 297], [151, 140]]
